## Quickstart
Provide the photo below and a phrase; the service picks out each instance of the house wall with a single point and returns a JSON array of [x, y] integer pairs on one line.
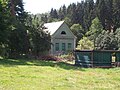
[[65, 28], [60, 41], [59, 38]]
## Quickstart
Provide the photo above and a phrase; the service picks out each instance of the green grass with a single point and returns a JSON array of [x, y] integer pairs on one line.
[[49, 75]]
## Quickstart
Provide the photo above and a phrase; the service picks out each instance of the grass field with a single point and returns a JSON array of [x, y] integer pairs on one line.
[[46, 75]]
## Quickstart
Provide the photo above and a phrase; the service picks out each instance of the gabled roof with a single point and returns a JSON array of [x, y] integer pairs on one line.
[[52, 27]]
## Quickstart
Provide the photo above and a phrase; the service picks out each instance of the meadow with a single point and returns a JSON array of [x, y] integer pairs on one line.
[[51, 75]]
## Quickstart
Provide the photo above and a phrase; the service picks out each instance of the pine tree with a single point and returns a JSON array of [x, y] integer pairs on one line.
[[107, 41], [53, 13], [109, 14], [5, 27], [101, 11], [19, 41], [44, 18], [95, 29], [88, 14], [116, 14], [39, 39], [73, 15], [105, 13], [62, 12], [77, 31], [80, 12]]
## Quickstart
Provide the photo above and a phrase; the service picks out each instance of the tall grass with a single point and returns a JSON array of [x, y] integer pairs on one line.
[[51, 75]]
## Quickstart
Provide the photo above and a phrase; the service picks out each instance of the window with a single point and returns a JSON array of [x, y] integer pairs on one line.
[[63, 47], [69, 46], [57, 46], [63, 33]]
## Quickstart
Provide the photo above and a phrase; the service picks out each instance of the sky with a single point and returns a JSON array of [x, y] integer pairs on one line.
[[42, 6]]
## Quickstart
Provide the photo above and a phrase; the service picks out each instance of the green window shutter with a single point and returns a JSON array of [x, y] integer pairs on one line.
[[57, 46], [69, 46], [63, 47]]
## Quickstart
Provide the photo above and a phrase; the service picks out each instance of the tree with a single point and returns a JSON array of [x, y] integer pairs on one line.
[[5, 26], [77, 31], [107, 41], [101, 11], [88, 14], [18, 39], [68, 21], [109, 14], [95, 29], [44, 18], [53, 13], [62, 12], [39, 39], [117, 35], [80, 13], [85, 43], [71, 13], [116, 14], [4, 21]]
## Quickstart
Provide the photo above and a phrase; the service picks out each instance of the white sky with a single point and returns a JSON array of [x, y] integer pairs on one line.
[[42, 6]]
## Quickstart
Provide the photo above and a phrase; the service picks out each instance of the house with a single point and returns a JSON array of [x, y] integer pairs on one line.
[[62, 39]]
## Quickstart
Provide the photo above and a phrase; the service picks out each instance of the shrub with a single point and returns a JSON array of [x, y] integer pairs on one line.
[[85, 43], [50, 58], [68, 57]]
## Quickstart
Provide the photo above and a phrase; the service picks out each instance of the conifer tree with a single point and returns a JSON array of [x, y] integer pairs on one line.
[[116, 14], [19, 42]]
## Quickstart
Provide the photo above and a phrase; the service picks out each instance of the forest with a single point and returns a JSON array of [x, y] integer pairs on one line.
[[95, 24]]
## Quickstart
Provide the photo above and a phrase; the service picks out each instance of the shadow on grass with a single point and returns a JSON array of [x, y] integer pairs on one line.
[[13, 62]]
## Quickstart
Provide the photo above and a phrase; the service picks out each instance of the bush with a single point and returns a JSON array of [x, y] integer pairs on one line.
[[85, 43], [50, 58], [68, 57]]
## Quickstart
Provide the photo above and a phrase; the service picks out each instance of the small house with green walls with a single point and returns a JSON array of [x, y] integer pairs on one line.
[[62, 39]]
